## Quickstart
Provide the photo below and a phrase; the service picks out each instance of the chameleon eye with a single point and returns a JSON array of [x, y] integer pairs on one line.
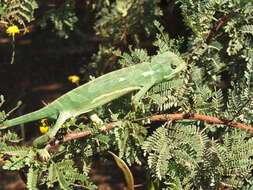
[[173, 66]]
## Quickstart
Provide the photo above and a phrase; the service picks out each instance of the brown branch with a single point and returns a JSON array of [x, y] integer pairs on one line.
[[164, 117], [72, 136], [75, 135], [215, 120]]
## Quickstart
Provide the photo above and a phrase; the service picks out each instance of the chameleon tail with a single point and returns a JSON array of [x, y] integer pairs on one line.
[[39, 114]]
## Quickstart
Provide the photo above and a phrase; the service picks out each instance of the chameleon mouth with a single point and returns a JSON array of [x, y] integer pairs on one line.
[[168, 77]]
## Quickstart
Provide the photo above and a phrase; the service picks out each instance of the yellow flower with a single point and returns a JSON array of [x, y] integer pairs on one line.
[[12, 30], [74, 79], [44, 126], [44, 129]]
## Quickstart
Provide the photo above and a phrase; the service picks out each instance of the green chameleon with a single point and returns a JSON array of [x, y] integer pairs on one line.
[[85, 98]]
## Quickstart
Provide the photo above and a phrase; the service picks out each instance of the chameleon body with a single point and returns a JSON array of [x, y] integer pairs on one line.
[[102, 90]]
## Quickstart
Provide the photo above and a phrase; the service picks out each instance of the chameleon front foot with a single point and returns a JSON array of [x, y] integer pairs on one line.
[[40, 141]]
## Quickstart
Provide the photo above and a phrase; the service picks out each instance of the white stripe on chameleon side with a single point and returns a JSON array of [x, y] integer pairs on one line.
[[151, 72], [121, 79], [115, 93]]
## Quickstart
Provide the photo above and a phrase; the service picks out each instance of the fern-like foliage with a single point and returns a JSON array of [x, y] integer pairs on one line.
[[126, 136], [163, 42], [66, 175], [18, 11], [212, 51], [248, 29], [163, 96], [122, 23], [240, 99], [32, 178], [20, 156], [63, 18], [118, 19], [174, 153], [233, 158]]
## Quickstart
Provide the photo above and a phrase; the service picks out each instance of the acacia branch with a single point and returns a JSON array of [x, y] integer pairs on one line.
[[199, 117], [163, 117], [76, 135]]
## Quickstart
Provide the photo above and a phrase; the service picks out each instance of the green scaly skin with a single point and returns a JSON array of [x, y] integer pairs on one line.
[[102, 90]]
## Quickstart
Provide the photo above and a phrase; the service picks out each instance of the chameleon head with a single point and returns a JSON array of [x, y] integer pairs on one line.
[[168, 64]]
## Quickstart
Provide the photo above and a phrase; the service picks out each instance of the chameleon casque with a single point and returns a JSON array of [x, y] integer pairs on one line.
[[85, 98]]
